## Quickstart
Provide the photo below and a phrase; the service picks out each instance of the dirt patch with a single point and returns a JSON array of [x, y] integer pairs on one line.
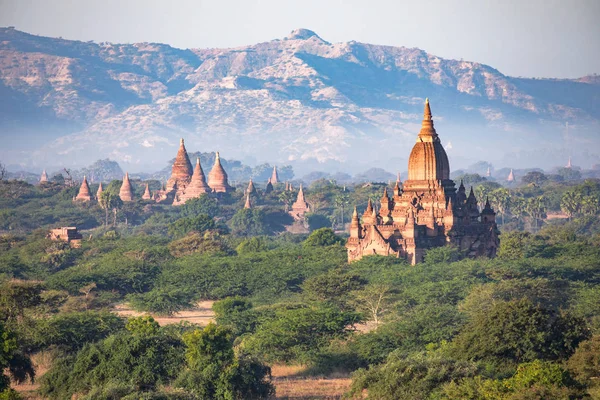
[[201, 314], [290, 384]]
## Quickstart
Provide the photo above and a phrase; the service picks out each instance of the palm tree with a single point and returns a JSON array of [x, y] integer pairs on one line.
[[590, 205], [109, 201], [287, 198], [502, 200], [340, 201], [570, 203], [536, 208]]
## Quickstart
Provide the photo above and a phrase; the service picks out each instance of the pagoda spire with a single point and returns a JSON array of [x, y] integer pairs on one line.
[[217, 178], [99, 192], [182, 167], [146, 195], [44, 177], [126, 193], [427, 133], [248, 204], [274, 176], [269, 187], [251, 189], [84, 191], [569, 165], [511, 176]]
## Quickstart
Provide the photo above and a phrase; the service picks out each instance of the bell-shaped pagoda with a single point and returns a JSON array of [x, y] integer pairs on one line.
[[217, 178]]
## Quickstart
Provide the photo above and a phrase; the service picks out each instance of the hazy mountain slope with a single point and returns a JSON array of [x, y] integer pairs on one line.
[[298, 98]]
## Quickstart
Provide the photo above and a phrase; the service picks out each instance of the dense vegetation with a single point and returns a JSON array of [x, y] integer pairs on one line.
[[525, 325]]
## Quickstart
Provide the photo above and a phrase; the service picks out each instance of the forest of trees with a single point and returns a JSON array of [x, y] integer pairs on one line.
[[524, 325]]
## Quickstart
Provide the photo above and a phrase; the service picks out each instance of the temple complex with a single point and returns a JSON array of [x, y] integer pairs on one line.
[[426, 212], [300, 206], [126, 193], [217, 178], [197, 186], [84, 191]]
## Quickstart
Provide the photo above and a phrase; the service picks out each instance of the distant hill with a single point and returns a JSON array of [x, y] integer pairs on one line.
[[291, 100]]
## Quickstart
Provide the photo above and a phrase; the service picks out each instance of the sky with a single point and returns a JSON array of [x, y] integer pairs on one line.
[[532, 38]]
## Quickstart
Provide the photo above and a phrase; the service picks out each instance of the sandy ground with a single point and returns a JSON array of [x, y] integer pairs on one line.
[[290, 384], [202, 314]]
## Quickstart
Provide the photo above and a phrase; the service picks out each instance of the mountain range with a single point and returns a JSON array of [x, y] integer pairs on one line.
[[299, 100]]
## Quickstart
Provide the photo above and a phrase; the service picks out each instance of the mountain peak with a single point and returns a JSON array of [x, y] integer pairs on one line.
[[302, 34]]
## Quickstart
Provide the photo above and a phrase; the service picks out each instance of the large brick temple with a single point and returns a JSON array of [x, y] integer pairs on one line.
[[424, 212]]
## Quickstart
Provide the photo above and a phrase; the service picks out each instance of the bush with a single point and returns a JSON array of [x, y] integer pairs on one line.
[[322, 237]]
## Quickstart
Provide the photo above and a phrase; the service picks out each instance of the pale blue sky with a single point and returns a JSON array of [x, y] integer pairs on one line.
[[540, 38]]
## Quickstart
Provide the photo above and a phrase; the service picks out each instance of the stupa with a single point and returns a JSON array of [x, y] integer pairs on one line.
[[269, 187], [251, 189], [274, 176], [248, 204], [181, 172], [196, 187], [300, 206], [511, 176], [126, 193], [146, 195], [99, 191], [217, 178], [44, 177], [84, 191], [426, 212]]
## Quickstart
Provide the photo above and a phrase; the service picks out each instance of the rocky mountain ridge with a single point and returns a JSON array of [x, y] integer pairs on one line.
[[298, 98]]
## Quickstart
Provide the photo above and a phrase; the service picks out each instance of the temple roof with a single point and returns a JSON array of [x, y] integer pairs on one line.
[[146, 195], [182, 167], [428, 160], [84, 191], [217, 178], [274, 176], [126, 193], [99, 192]]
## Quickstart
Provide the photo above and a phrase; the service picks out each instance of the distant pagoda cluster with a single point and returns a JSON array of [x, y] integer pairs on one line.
[[424, 212], [184, 184], [188, 183]]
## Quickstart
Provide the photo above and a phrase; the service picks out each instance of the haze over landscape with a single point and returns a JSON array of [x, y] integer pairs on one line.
[[297, 99]]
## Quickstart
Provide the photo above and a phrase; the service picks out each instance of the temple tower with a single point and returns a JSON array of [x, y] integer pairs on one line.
[[511, 176], [126, 193], [84, 191], [217, 178], [425, 211], [251, 189], [181, 172], [44, 177], [248, 204], [146, 195], [274, 176], [300, 206], [99, 192]]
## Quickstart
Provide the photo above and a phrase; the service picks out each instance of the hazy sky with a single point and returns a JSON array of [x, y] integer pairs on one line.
[[540, 38]]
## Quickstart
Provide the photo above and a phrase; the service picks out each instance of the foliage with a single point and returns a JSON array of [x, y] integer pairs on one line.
[[519, 330], [419, 376], [322, 237], [317, 221], [199, 223], [160, 300], [147, 360], [298, 333], [215, 372]]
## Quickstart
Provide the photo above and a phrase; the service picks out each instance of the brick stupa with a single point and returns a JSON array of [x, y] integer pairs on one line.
[[84, 191], [181, 172], [146, 195], [126, 193], [217, 178], [248, 204], [426, 212], [195, 188], [300, 206], [274, 176], [251, 189], [99, 191], [44, 177]]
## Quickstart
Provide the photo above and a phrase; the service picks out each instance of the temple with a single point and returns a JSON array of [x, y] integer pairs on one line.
[[44, 177], [511, 176], [300, 206], [424, 212], [146, 195], [217, 178], [274, 177], [126, 193], [84, 191]]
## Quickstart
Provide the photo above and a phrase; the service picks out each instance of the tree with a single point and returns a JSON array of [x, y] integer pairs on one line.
[[590, 205], [317, 221], [570, 203], [584, 364], [214, 371], [322, 237], [534, 177], [287, 198], [110, 201], [520, 331], [536, 209], [200, 223], [13, 361], [205, 204], [334, 287], [341, 201], [502, 200], [374, 300], [249, 222], [2, 172]]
